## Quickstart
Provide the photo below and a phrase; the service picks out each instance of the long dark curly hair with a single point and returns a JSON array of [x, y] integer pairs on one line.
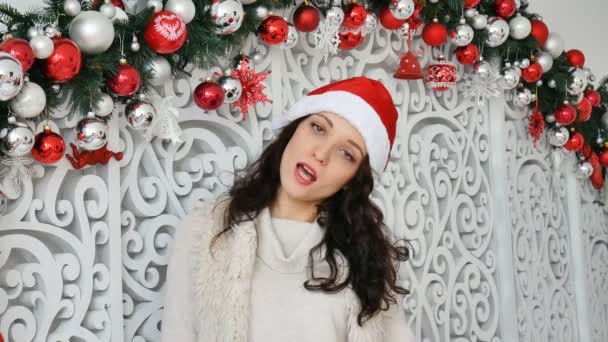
[[354, 227]]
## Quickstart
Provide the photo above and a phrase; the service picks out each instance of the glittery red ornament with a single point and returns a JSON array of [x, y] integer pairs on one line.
[[505, 8], [20, 49], [584, 110], [565, 115], [354, 15], [350, 38], [471, 3], [252, 87], [540, 31], [441, 75], [594, 97], [273, 30], [467, 54], [532, 73], [209, 95], [603, 157], [575, 142], [65, 61], [536, 126], [48, 147], [126, 82], [388, 20], [99, 156], [166, 32], [409, 68], [306, 18], [576, 58], [434, 34]]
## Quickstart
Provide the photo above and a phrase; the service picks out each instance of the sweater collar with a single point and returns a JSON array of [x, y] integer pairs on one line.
[[271, 252]]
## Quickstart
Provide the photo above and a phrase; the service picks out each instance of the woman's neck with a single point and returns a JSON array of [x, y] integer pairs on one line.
[[285, 207]]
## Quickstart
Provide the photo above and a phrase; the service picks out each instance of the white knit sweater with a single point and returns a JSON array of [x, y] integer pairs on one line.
[[280, 308]]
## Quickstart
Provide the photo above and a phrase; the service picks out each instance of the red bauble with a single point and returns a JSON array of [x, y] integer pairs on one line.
[[505, 8], [604, 158], [594, 97], [468, 54], [576, 58], [119, 4], [471, 3], [306, 18], [584, 109], [441, 75], [586, 152], [20, 49], [126, 82], [388, 20], [540, 31], [575, 142], [597, 179], [565, 115], [273, 30], [354, 15], [48, 147], [434, 34], [532, 73], [209, 95], [65, 61], [350, 38], [166, 32]]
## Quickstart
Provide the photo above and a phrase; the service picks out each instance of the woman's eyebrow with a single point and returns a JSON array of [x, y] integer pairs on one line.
[[331, 124], [356, 146]]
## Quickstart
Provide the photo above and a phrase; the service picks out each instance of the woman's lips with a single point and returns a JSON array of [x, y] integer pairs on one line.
[[304, 174]]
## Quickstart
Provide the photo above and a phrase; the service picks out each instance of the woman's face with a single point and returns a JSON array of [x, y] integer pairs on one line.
[[322, 156]]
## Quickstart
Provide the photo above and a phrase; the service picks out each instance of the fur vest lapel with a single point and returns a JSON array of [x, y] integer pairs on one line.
[[223, 283]]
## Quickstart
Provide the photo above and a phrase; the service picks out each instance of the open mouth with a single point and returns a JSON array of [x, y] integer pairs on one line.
[[305, 174]]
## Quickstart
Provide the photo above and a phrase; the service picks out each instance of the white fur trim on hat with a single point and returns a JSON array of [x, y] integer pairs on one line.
[[356, 111]]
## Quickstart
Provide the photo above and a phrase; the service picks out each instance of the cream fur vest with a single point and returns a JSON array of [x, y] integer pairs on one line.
[[223, 283]]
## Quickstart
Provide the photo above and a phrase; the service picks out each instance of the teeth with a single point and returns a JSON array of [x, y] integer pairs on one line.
[[308, 170], [305, 173]]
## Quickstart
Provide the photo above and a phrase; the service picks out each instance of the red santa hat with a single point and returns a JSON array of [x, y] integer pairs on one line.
[[364, 102]]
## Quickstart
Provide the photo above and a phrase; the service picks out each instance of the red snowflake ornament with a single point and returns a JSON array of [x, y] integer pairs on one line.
[[252, 87]]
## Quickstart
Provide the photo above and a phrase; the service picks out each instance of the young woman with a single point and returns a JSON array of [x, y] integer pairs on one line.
[[296, 251]]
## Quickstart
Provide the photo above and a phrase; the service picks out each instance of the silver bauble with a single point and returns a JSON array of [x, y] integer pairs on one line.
[[11, 76], [519, 27], [558, 136], [498, 32], [71, 7], [237, 62], [470, 13], [157, 5], [604, 120], [30, 101], [42, 46], [92, 31], [545, 60], [292, 38], [552, 84], [108, 10], [554, 45], [402, 9], [583, 170], [91, 133], [140, 114], [228, 15], [184, 9], [233, 89], [17, 139], [334, 16], [135, 46], [524, 63], [50, 31], [579, 82], [523, 97], [261, 12], [550, 118], [599, 141], [462, 35], [32, 32], [510, 78], [160, 70], [479, 21], [104, 106], [371, 22], [3, 203], [483, 70]]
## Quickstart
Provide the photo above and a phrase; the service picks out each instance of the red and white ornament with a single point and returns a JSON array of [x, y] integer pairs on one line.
[[350, 38], [166, 32], [354, 15], [126, 82], [441, 75]]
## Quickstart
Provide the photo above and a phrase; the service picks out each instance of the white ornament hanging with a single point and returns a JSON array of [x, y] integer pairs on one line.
[[327, 38], [165, 126]]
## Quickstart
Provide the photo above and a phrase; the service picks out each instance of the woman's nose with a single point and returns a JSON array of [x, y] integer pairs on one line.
[[321, 154]]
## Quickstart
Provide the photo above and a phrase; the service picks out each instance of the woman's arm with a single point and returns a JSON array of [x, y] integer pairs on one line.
[[179, 315]]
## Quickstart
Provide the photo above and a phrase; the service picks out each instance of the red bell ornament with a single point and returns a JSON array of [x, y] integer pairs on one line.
[[409, 68]]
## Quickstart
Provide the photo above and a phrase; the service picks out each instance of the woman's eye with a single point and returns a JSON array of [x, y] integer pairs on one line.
[[316, 127], [348, 156]]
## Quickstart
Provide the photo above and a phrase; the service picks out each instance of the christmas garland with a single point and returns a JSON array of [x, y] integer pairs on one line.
[[89, 55]]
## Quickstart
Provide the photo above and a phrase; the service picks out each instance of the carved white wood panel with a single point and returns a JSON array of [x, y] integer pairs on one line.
[[83, 254]]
